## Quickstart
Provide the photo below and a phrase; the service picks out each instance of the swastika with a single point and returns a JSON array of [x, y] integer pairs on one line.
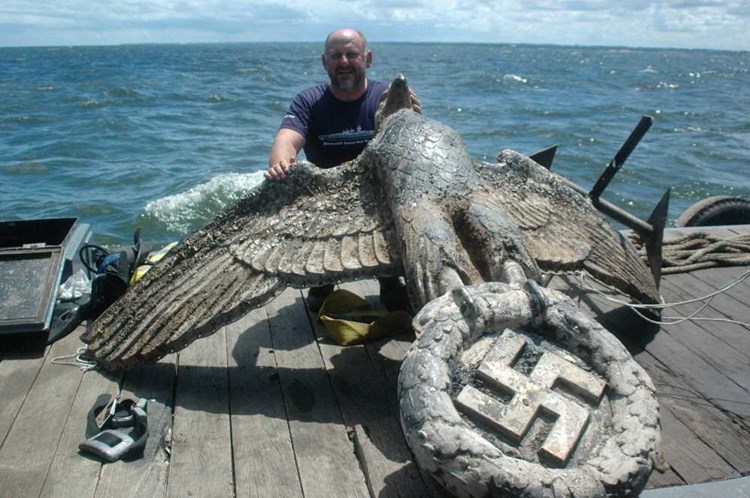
[[532, 396]]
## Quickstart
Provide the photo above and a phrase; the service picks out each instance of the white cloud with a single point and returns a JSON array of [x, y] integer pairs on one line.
[[677, 23]]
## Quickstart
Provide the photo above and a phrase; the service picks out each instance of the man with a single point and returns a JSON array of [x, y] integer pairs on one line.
[[333, 122]]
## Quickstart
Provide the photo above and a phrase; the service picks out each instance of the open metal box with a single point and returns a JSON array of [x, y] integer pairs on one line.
[[35, 256]]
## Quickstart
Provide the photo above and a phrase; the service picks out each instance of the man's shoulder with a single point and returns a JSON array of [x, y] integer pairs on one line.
[[314, 93]]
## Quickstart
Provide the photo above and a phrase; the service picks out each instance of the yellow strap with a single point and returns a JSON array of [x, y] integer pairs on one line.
[[139, 273], [151, 260], [155, 257], [350, 319]]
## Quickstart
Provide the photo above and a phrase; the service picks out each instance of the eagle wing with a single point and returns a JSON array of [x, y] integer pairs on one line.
[[561, 228], [315, 227]]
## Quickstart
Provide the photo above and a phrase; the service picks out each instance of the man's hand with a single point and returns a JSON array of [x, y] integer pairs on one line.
[[284, 150], [279, 170], [415, 103]]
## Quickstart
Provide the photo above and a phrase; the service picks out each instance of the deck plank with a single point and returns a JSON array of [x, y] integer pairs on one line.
[[368, 410], [146, 476], [72, 473], [201, 462], [666, 478], [707, 339], [325, 457], [720, 277], [18, 369], [688, 456], [684, 286], [703, 377], [262, 449], [28, 449], [711, 426], [386, 355]]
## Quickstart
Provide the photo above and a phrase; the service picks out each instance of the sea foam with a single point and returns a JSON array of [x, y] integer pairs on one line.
[[185, 211]]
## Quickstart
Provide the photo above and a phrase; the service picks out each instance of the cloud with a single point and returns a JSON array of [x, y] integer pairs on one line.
[[584, 5], [677, 23], [703, 17]]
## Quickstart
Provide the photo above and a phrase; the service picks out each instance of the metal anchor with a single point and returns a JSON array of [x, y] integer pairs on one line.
[[651, 232]]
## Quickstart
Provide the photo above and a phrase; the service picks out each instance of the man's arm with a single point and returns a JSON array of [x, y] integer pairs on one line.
[[283, 154]]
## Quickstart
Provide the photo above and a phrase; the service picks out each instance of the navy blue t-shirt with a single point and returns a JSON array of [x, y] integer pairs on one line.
[[335, 131]]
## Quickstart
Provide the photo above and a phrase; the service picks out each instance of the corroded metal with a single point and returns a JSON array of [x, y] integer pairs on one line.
[[414, 203]]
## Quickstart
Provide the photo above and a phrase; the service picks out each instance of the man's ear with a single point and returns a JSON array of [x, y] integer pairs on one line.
[[368, 59], [323, 59]]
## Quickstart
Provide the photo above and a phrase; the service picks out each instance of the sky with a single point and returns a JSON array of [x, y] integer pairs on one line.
[[709, 24]]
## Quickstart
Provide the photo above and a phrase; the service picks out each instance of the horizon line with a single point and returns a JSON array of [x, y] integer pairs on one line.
[[372, 41]]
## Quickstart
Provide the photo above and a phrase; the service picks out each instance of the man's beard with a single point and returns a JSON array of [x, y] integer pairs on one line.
[[348, 81]]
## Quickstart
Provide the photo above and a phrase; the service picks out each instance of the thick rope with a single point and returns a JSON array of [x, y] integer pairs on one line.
[[699, 250]]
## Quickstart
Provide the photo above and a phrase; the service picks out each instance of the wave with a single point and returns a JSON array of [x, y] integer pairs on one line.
[[186, 211], [514, 78], [667, 86], [217, 98], [28, 168]]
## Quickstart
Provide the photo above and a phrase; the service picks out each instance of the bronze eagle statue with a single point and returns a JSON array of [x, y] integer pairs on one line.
[[413, 203]]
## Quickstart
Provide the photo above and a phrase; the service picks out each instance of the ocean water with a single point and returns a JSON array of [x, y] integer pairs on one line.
[[163, 136]]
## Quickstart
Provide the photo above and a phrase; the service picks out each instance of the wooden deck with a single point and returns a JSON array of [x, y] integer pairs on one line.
[[269, 406]]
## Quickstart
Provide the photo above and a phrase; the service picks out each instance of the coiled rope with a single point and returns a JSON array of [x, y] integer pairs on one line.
[[82, 359], [699, 250]]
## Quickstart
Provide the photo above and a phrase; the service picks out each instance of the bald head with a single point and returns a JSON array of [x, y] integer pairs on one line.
[[346, 35]]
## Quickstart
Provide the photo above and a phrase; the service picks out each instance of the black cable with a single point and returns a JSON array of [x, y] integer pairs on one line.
[[92, 254]]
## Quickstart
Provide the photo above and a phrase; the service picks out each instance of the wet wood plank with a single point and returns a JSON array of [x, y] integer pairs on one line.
[[369, 412], [201, 461], [146, 476], [19, 367], [324, 453], [688, 456], [264, 461], [28, 449], [71, 472]]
